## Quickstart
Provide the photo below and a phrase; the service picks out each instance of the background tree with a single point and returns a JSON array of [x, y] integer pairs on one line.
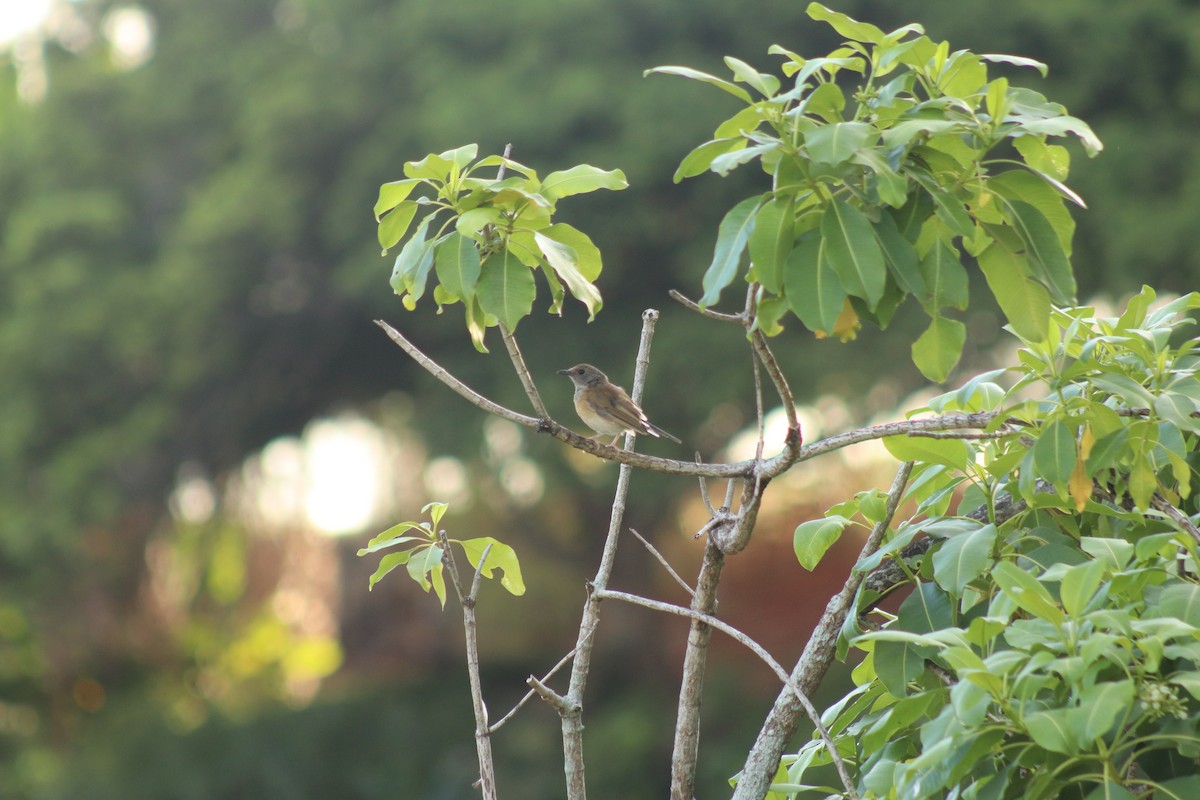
[[166, 233]]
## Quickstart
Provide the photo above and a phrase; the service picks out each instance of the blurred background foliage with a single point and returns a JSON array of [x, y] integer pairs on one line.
[[193, 397]]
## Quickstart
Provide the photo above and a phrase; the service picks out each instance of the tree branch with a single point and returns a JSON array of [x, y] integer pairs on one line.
[[572, 714], [483, 740], [780, 725], [788, 681]]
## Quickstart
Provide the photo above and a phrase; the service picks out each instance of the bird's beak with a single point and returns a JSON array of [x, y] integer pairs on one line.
[[564, 372]]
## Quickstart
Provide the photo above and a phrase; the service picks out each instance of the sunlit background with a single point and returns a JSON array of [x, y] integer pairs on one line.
[[200, 425]]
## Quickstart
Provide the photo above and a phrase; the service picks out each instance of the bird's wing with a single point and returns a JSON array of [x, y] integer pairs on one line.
[[624, 410]]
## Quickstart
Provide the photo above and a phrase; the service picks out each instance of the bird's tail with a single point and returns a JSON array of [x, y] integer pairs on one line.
[[657, 431]]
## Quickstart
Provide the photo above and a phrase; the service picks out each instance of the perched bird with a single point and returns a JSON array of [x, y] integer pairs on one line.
[[605, 408]]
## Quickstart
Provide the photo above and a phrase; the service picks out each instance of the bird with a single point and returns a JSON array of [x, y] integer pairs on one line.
[[606, 408]]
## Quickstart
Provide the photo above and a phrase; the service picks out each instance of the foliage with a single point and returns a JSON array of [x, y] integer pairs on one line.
[[872, 195], [424, 558], [1052, 652], [502, 230]]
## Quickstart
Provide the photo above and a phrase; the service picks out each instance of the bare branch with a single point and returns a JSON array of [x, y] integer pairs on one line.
[[707, 312], [530, 694], [552, 698], [518, 361], [666, 564], [483, 739], [781, 722], [1160, 504], [572, 715], [763, 351], [755, 648]]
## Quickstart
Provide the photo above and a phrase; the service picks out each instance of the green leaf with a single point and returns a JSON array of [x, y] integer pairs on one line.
[[836, 143], [580, 179], [587, 255], [457, 263], [901, 256], [701, 158], [704, 77], [1054, 453], [1062, 126], [853, 251], [500, 556], [938, 349], [506, 288], [1100, 706], [393, 227], [386, 565], [411, 257], [470, 223], [766, 84], [944, 277], [431, 167], [476, 323], [1052, 730], [732, 235], [772, 239], [963, 558], [1050, 159], [1181, 601], [1079, 585], [1024, 301], [952, 453], [1019, 61], [813, 538], [812, 287], [891, 185], [1045, 251], [1024, 590], [392, 194], [850, 28], [394, 536], [563, 260]]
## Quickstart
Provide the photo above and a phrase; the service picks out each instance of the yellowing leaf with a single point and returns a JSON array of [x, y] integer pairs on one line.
[[1080, 484]]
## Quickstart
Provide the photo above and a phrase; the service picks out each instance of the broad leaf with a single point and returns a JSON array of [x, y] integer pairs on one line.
[[506, 288], [813, 289], [500, 556], [704, 77], [1054, 453], [836, 143], [732, 235], [963, 558], [580, 179], [456, 261], [771, 241], [1023, 300], [853, 252], [938, 349], [813, 538], [1044, 249], [564, 261]]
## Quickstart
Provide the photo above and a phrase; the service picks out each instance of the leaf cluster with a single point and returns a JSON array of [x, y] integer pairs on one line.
[[879, 190], [423, 554], [1054, 651], [497, 233]]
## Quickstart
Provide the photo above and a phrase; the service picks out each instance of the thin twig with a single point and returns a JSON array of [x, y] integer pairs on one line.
[[530, 694], [555, 700], [571, 711], [707, 312], [518, 361], [758, 650], [662, 560], [1160, 504], [483, 740], [763, 351]]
